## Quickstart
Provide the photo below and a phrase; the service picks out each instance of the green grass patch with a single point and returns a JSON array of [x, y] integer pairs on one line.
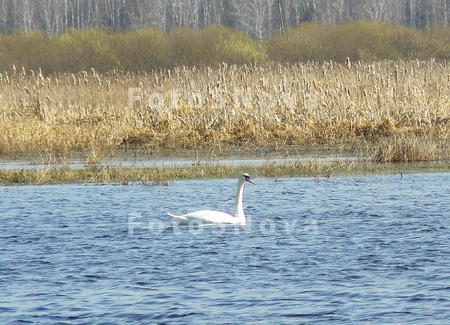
[[167, 175]]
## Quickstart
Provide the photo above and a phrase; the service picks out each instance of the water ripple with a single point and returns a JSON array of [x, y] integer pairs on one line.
[[343, 252]]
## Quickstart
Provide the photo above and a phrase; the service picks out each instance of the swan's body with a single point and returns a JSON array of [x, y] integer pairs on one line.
[[218, 217]]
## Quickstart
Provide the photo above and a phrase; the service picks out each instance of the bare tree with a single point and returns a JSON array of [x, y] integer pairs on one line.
[[378, 10], [252, 17], [24, 13], [341, 11], [258, 18]]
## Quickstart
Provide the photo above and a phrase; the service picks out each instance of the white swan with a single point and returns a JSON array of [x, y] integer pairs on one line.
[[217, 217]]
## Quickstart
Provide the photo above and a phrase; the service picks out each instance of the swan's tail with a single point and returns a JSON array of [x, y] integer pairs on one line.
[[177, 218]]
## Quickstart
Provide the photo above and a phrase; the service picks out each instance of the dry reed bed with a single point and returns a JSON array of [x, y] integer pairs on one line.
[[393, 111]]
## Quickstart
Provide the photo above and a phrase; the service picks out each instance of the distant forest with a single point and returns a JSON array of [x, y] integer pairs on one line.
[[257, 18]]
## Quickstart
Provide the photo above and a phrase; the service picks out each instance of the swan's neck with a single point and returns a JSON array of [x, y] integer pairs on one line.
[[239, 210]]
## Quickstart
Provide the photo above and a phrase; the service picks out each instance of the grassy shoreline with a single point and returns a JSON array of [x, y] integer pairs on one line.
[[318, 168]]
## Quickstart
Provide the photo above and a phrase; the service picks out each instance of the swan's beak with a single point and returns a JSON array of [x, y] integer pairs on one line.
[[247, 178]]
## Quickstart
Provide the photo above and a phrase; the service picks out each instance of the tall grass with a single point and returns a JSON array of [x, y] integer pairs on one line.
[[355, 106]]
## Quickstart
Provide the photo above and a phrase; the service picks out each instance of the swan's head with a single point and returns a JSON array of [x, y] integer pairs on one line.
[[246, 178]]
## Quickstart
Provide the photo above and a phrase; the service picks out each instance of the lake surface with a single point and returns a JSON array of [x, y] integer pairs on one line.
[[370, 249]]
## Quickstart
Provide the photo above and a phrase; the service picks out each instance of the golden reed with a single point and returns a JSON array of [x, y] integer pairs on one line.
[[384, 109]]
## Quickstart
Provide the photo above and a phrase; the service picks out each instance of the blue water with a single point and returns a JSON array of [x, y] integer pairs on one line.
[[351, 250]]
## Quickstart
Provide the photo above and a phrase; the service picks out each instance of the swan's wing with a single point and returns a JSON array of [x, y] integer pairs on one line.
[[210, 216], [206, 216]]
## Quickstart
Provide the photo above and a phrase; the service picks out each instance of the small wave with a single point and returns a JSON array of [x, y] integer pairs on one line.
[[309, 315]]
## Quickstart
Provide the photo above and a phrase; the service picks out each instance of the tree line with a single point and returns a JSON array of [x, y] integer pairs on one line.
[[152, 50], [257, 18]]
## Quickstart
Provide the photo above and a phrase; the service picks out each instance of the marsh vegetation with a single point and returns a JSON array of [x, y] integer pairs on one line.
[[388, 111], [220, 91]]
